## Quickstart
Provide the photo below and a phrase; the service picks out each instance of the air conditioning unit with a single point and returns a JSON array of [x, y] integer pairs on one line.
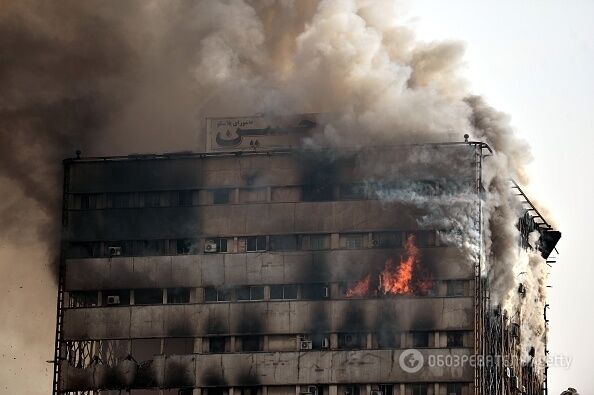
[[210, 246], [375, 242], [326, 292], [114, 251], [113, 299], [326, 343], [305, 345], [376, 392]]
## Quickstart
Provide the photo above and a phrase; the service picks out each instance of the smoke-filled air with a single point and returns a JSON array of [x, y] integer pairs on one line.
[[120, 77]]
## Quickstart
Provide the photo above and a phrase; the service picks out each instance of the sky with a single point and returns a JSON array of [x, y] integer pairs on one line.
[[534, 60]]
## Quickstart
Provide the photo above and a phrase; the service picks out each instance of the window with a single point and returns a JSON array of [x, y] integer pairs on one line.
[[145, 349], [352, 390], [84, 250], [216, 295], [283, 243], [250, 293], [317, 193], [218, 244], [88, 201], [425, 238], [115, 297], [83, 299], [455, 339], [250, 343], [387, 239], [455, 288], [419, 389], [256, 243], [352, 241], [221, 196], [185, 198], [178, 345], [148, 296], [454, 389], [352, 191], [348, 341], [315, 242], [388, 339], [386, 389], [217, 344], [420, 339], [185, 246], [178, 295], [315, 291], [153, 247], [152, 199], [246, 390], [287, 291], [122, 200]]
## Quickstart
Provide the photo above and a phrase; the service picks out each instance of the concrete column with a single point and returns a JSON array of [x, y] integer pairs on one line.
[[334, 241], [231, 390], [437, 342], [332, 390], [264, 388], [197, 391], [369, 341], [198, 345], [403, 340], [436, 389], [164, 295], [131, 296], [232, 344], [265, 343], [99, 298], [268, 194], [334, 341], [402, 389]]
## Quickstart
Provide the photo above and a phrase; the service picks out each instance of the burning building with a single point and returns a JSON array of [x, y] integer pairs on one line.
[[268, 265]]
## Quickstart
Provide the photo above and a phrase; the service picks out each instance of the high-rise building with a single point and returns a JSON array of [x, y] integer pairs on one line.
[[262, 266]]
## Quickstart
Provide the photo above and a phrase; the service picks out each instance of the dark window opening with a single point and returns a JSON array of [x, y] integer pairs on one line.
[[148, 296], [352, 241], [152, 199], [221, 196], [386, 389], [352, 390], [216, 345], [455, 288], [315, 242], [184, 246], [388, 340], [315, 291], [256, 244], [352, 191], [283, 243], [178, 345], [145, 349], [288, 291], [425, 238], [185, 198], [118, 297], [246, 390], [420, 339], [250, 293], [122, 200], [351, 341], [387, 239], [455, 339], [83, 299], [318, 193], [216, 295], [454, 389], [419, 389], [250, 343], [178, 295]]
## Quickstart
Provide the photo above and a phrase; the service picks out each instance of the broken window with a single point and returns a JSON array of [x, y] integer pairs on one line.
[[418, 389], [455, 288], [115, 297], [283, 243], [455, 339], [145, 349], [352, 241], [250, 343], [217, 344], [315, 291], [420, 339], [387, 239], [250, 293], [178, 345], [352, 192], [178, 295], [286, 291], [256, 244], [148, 296], [212, 294], [185, 246], [454, 389], [221, 196], [83, 299]]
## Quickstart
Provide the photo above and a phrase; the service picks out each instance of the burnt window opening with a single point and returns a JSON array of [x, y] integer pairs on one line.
[[256, 244], [88, 201], [154, 247], [351, 341], [418, 389], [420, 339], [246, 390], [123, 200], [212, 294], [185, 198], [178, 345], [221, 196], [320, 341], [185, 246], [83, 299], [217, 345], [283, 243], [425, 238], [353, 241], [115, 297], [283, 292], [454, 389], [352, 191], [250, 293], [219, 244], [145, 349], [388, 239], [352, 390], [388, 340], [152, 199], [315, 291], [178, 295], [85, 250], [385, 389], [315, 242], [251, 343], [317, 193], [148, 296], [455, 339], [455, 288]]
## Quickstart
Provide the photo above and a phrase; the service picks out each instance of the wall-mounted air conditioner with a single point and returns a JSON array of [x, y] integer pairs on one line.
[[210, 246], [305, 345], [114, 251], [113, 299]]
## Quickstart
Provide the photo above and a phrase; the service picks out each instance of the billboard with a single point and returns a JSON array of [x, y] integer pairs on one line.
[[258, 132]]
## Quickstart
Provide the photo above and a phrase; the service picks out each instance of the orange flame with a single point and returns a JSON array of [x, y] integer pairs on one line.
[[396, 279]]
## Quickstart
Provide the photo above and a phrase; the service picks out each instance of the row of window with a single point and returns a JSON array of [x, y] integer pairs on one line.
[[290, 242], [312, 291], [307, 193]]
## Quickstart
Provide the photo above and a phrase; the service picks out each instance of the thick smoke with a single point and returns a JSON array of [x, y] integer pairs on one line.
[[112, 77]]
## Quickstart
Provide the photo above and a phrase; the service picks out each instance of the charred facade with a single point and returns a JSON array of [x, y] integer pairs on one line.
[[278, 271]]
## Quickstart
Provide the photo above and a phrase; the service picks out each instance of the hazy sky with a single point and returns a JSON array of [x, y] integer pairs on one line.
[[535, 61]]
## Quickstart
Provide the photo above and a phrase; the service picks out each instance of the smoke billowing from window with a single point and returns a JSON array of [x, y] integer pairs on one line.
[[112, 77]]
